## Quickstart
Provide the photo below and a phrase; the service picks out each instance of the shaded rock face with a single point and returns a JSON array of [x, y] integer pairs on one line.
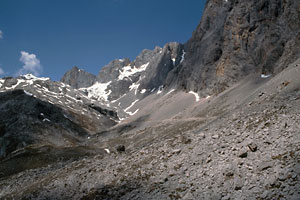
[[37, 111], [235, 38], [169, 57], [27, 120], [106, 112], [78, 78]]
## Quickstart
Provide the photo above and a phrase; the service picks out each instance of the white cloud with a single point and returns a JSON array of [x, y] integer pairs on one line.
[[1, 34], [31, 64], [1, 71]]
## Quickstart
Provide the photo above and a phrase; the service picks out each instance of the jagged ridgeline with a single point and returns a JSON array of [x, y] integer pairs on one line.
[[234, 39], [214, 118]]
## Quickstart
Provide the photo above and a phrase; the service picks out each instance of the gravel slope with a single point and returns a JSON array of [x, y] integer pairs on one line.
[[248, 149]]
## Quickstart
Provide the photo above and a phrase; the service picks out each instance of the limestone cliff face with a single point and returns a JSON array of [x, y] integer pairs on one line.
[[236, 38]]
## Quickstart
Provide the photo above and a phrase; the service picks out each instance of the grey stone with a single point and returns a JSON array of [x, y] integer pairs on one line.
[[265, 165], [243, 154], [176, 151], [252, 147], [188, 196], [120, 148], [238, 183], [215, 136]]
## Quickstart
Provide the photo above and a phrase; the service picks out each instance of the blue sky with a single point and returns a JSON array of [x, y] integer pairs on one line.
[[49, 37]]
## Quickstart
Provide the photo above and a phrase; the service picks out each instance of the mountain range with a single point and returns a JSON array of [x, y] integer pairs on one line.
[[214, 118]]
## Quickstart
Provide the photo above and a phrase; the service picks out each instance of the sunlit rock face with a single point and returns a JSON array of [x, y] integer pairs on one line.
[[236, 38]]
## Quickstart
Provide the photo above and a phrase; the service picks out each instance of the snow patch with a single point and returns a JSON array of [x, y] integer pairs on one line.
[[132, 113], [128, 71], [46, 120], [132, 104], [196, 95], [32, 77], [14, 86], [1, 82], [143, 91], [67, 117], [134, 86], [29, 76], [107, 150], [265, 76], [28, 79], [170, 91], [114, 101], [173, 59], [160, 89], [28, 93], [98, 91], [122, 119], [182, 56]]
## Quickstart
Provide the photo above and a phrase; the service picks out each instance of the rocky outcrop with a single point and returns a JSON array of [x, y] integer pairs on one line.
[[78, 78], [33, 121], [160, 66], [135, 79], [111, 71], [236, 38], [146, 73]]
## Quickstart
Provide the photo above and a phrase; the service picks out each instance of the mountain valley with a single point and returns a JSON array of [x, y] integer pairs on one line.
[[215, 118]]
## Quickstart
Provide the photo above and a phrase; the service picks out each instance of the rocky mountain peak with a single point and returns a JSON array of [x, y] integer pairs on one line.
[[78, 78], [111, 70]]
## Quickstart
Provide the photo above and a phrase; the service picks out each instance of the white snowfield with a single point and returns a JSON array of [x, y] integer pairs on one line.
[[98, 91], [128, 71]]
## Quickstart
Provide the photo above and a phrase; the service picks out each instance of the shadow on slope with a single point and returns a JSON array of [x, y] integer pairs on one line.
[[26, 120], [37, 157]]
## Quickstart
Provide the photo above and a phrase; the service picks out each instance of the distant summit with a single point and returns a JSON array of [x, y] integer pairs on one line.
[[78, 78]]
